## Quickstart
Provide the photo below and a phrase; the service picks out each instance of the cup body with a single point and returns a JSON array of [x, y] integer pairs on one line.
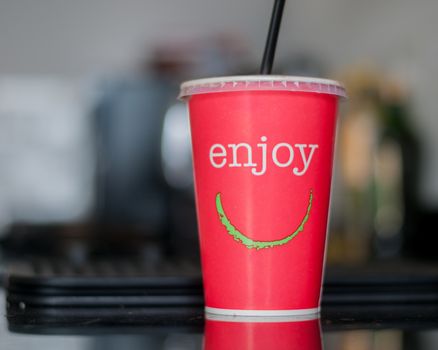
[[262, 156]]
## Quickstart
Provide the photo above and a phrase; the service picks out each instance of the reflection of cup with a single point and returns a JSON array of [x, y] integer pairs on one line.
[[304, 335], [262, 151]]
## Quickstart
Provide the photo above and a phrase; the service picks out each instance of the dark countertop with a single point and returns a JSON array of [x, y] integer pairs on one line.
[[389, 328], [393, 306]]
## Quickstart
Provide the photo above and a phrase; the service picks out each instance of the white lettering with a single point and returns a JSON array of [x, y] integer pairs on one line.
[[221, 153], [275, 158], [282, 154], [264, 148], [235, 148], [306, 162]]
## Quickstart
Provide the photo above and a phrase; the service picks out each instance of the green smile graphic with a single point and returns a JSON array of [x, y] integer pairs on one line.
[[250, 243]]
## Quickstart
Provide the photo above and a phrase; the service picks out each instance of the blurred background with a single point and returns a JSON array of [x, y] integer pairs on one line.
[[92, 133], [95, 158]]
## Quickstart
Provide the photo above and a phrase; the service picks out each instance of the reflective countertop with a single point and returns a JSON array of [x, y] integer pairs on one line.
[[355, 328]]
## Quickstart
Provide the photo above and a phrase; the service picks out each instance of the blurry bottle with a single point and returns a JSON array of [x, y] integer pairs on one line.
[[379, 166], [396, 167], [358, 136]]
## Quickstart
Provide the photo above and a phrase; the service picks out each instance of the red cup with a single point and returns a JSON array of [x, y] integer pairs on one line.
[[221, 335], [262, 155]]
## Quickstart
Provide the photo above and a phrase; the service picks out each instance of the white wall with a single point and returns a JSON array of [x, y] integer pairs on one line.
[[90, 37]]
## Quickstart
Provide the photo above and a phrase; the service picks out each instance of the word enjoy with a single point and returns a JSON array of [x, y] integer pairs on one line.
[[282, 154]]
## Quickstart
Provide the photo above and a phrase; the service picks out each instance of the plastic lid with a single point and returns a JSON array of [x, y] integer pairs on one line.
[[261, 82]]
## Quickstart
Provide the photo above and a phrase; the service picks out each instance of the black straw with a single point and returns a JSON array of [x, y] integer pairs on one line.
[[271, 41]]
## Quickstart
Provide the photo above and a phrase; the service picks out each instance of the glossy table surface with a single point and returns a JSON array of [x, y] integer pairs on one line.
[[407, 327]]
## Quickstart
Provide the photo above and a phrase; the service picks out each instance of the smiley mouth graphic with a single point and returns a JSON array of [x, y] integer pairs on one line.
[[250, 243]]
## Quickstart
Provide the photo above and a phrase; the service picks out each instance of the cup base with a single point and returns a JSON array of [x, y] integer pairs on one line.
[[213, 313]]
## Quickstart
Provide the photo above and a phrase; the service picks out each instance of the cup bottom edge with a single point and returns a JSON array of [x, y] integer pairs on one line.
[[237, 315]]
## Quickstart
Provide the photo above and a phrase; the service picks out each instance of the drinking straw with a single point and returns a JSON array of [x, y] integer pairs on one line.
[[271, 41]]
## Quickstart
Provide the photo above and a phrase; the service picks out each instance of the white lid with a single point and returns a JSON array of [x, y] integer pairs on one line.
[[261, 82]]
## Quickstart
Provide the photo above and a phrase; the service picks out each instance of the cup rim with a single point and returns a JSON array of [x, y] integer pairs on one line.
[[260, 83]]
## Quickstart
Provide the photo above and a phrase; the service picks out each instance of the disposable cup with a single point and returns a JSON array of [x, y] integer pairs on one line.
[[262, 155]]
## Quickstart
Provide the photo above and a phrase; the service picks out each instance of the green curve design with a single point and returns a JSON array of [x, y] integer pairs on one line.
[[250, 243]]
